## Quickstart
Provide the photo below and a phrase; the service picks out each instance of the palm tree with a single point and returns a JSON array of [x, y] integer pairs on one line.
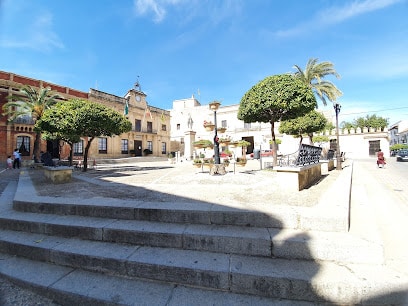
[[33, 102], [313, 76]]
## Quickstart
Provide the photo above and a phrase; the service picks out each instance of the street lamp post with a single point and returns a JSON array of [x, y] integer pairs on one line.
[[214, 107], [337, 108], [218, 168]]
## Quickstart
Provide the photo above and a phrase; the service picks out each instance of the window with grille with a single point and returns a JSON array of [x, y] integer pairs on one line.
[[247, 125], [163, 147], [103, 145], [149, 126], [138, 125], [124, 146], [79, 148], [164, 127], [150, 145], [23, 145], [224, 123]]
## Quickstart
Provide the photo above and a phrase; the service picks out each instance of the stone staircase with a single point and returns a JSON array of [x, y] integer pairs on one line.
[[110, 252]]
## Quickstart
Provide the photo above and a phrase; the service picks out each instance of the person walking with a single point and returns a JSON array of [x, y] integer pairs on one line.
[[17, 157], [380, 158]]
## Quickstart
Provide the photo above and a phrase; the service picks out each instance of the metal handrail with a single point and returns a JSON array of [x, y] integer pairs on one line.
[[288, 160]]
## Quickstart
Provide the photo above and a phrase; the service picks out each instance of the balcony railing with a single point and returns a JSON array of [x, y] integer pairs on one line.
[[147, 131], [23, 120]]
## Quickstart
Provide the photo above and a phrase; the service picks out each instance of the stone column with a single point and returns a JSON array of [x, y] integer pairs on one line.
[[188, 144]]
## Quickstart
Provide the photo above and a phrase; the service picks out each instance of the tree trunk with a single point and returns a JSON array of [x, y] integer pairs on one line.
[[274, 150], [88, 145], [37, 148], [311, 139], [71, 154]]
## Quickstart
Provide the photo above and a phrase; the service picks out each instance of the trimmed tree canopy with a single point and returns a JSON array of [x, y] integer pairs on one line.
[[276, 98], [309, 123], [83, 118]]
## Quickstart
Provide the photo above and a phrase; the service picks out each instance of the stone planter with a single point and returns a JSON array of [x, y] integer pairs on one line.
[[209, 127]]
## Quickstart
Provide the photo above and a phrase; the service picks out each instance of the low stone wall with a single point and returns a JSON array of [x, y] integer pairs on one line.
[[326, 166], [298, 178], [58, 175]]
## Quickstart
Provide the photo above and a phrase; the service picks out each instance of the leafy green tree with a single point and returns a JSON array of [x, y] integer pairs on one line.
[[368, 121], [276, 98], [321, 139], [58, 123], [313, 76], [309, 123], [31, 102], [91, 120], [346, 125], [398, 146]]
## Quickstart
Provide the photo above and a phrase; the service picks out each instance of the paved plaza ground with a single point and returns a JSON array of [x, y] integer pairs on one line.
[[380, 192]]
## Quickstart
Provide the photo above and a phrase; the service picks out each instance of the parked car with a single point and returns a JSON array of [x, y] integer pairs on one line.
[[402, 155]]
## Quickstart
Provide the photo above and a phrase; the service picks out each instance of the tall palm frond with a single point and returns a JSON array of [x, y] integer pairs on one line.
[[314, 74], [31, 102]]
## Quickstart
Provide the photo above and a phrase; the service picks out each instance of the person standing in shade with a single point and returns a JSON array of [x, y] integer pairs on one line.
[[9, 162], [17, 156]]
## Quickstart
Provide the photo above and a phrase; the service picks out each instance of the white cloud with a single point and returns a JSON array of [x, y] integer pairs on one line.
[[334, 15], [38, 35], [338, 14], [157, 7]]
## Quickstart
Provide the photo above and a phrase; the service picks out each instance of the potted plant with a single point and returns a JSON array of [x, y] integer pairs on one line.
[[221, 130], [147, 152], [243, 143], [171, 158], [203, 143], [208, 162], [224, 140], [226, 162], [241, 161], [209, 126], [197, 162]]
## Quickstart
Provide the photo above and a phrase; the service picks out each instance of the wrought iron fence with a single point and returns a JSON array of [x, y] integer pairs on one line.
[[306, 155], [288, 160]]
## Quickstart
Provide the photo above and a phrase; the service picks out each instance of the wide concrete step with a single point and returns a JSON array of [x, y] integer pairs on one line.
[[69, 286], [283, 216], [267, 277], [251, 241]]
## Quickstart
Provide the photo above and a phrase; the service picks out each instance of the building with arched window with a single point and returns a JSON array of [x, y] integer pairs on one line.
[[150, 125]]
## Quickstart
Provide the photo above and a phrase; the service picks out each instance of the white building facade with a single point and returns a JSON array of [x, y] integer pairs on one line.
[[399, 133], [187, 126]]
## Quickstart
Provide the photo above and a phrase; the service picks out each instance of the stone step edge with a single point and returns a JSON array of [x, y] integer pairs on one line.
[[68, 286], [329, 216], [251, 241], [283, 217], [268, 277]]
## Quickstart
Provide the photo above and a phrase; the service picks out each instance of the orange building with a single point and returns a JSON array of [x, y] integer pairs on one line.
[[150, 125]]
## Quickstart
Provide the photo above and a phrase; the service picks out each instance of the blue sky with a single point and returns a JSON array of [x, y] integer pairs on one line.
[[214, 49]]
